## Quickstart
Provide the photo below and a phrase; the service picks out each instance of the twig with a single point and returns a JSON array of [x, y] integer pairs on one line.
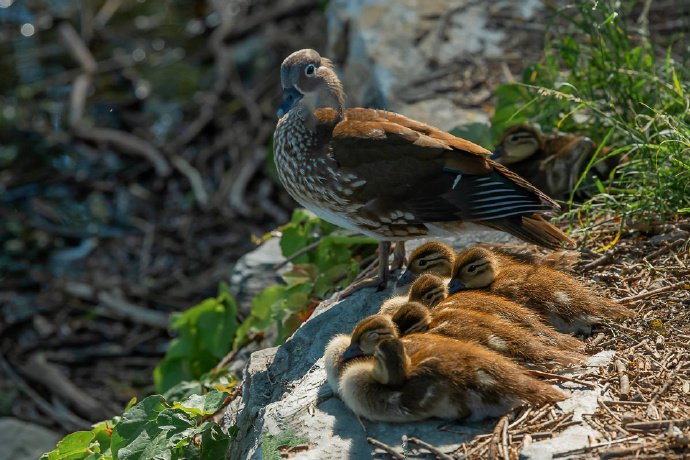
[[625, 403], [127, 143], [623, 379], [644, 295], [606, 258], [660, 424], [428, 447], [65, 419], [562, 378], [386, 448], [296, 254], [133, 312], [619, 452], [194, 178], [496, 450], [584, 450], [664, 249], [77, 48], [77, 100], [228, 358], [106, 12], [40, 370]]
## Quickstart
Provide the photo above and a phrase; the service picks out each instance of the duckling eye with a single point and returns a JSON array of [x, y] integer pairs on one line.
[[422, 263], [373, 335], [310, 70], [471, 268]]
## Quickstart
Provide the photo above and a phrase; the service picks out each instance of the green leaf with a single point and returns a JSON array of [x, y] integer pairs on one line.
[[199, 405], [205, 334], [214, 443], [133, 425], [72, 447]]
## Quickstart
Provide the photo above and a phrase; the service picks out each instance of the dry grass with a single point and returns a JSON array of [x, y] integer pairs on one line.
[[644, 409]]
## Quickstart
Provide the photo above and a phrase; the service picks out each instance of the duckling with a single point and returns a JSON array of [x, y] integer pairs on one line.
[[554, 163], [486, 329], [432, 257], [424, 375], [560, 300], [432, 291], [437, 258]]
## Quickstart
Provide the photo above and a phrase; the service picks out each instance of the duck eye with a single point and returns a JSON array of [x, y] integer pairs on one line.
[[471, 268], [373, 335], [422, 263], [310, 70]]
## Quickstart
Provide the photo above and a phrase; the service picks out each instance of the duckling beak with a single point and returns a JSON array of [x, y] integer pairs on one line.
[[406, 278], [498, 153], [291, 97], [455, 286], [352, 351]]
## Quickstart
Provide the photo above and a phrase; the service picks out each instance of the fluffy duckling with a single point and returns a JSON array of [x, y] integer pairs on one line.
[[432, 257], [432, 291], [424, 375], [552, 162], [561, 300], [437, 258], [486, 329]]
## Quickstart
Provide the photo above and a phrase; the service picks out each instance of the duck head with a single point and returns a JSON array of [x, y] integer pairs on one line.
[[428, 290], [433, 257], [473, 269], [368, 333], [309, 79]]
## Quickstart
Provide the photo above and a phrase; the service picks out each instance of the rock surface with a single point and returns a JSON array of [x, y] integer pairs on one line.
[[396, 54], [285, 391], [20, 440]]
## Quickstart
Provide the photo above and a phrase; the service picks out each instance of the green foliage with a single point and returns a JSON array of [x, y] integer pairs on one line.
[[152, 429], [601, 79], [331, 264], [173, 425], [205, 334]]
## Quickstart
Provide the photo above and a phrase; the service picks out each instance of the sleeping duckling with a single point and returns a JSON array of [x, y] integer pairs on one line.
[[432, 257], [424, 375], [560, 300], [486, 329], [437, 258], [431, 291]]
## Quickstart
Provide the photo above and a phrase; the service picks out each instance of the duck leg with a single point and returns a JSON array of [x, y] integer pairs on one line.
[[380, 280]]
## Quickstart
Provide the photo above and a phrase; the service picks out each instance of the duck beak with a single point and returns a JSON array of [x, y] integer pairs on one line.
[[455, 286], [291, 97], [352, 351], [406, 278], [498, 153]]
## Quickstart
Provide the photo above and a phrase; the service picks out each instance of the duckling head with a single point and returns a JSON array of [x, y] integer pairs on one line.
[[368, 333], [517, 143], [411, 317], [392, 362], [474, 268], [429, 290], [433, 257]]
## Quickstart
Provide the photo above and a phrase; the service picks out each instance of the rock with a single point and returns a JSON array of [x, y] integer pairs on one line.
[[254, 271], [285, 390], [21, 440], [387, 50]]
